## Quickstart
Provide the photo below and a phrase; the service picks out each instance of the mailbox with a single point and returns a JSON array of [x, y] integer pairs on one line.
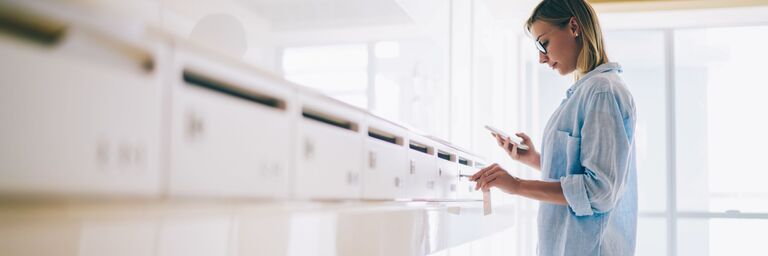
[[447, 173], [80, 108], [422, 169], [468, 166], [232, 129], [330, 148], [386, 160]]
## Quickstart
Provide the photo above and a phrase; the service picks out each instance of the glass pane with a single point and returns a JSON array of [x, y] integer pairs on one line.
[[721, 237], [651, 237], [409, 82], [719, 93], [389, 57], [340, 71], [644, 75]]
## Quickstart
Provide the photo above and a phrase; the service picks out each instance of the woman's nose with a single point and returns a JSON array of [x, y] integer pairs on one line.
[[542, 58]]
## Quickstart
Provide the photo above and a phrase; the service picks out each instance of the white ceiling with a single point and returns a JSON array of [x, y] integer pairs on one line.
[[297, 15], [318, 14]]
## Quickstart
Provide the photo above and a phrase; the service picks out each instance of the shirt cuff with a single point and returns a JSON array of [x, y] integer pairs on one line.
[[576, 194]]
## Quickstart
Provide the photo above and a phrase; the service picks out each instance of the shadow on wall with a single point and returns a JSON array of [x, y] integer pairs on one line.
[[221, 32]]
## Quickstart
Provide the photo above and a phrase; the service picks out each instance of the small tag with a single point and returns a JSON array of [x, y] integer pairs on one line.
[[486, 202]]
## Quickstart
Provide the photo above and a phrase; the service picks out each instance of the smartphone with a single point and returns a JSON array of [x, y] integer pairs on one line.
[[517, 140]]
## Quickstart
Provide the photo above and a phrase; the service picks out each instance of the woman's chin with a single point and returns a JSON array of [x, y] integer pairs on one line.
[[563, 72]]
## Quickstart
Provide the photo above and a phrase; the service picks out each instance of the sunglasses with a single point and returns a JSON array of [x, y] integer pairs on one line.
[[542, 47]]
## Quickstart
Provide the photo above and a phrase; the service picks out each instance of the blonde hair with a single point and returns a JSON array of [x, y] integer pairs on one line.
[[559, 13]]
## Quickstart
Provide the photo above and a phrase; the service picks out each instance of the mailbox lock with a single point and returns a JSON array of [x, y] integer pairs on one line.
[[351, 178], [309, 149], [372, 159], [195, 125]]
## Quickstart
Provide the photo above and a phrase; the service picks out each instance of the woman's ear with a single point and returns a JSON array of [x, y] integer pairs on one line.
[[575, 29]]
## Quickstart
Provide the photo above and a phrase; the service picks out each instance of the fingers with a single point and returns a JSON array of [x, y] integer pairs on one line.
[[484, 177], [486, 182], [511, 148], [482, 172], [526, 139], [498, 139], [513, 152]]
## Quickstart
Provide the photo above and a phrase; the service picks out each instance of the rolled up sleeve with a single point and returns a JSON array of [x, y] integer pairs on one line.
[[604, 154]]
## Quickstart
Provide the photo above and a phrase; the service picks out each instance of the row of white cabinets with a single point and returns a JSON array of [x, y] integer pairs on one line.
[[87, 112]]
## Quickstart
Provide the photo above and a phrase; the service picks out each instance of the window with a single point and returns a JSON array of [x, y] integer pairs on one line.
[[409, 78], [720, 204], [715, 237], [720, 91], [720, 167], [340, 71]]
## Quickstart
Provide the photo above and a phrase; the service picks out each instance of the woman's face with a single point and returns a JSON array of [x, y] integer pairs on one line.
[[561, 45]]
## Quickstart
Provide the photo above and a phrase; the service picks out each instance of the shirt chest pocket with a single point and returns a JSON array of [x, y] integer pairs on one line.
[[564, 156]]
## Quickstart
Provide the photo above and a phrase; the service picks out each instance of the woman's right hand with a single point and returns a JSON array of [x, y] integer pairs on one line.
[[528, 156]]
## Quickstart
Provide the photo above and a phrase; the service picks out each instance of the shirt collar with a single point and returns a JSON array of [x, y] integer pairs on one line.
[[603, 68]]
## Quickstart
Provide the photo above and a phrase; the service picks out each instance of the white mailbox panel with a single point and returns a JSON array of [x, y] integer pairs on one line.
[[448, 173], [386, 160], [80, 111], [232, 131], [466, 188], [330, 149], [422, 179]]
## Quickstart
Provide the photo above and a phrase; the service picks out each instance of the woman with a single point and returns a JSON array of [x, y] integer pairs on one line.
[[588, 190]]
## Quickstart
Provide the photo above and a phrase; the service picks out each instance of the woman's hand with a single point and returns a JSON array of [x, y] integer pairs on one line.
[[495, 176], [528, 157]]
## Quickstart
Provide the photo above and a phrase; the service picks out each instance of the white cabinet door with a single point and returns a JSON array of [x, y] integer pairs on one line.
[[386, 158], [422, 171], [80, 114], [330, 151], [466, 188], [447, 174], [232, 131]]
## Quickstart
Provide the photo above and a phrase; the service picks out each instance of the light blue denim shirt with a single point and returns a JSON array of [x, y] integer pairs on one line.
[[588, 146]]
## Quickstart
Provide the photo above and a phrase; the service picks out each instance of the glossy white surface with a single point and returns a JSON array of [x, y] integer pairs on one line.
[[243, 228]]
